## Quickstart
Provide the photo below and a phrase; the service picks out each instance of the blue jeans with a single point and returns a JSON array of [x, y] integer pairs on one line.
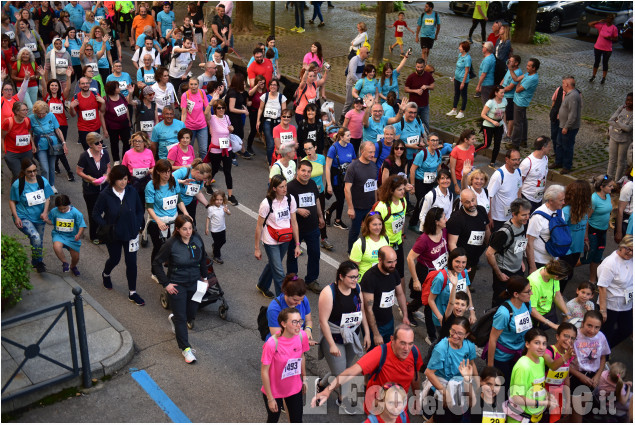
[[299, 14], [564, 147], [273, 269], [35, 233], [312, 240], [268, 130], [353, 231], [201, 136], [424, 114], [47, 162], [317, 12]]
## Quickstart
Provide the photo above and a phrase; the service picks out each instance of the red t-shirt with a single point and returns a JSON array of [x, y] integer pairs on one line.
[[18, 140], [493, 38], [23, 66], [265, 69], [460, 155], [88, 113], [56, 106], [398, 24], [414, 82], [7, 106], [283, 135]]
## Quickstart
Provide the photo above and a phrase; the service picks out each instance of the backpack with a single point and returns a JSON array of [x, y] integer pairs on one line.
[[434, 197], [364, 244], [483, 326], [427, 284], [271, 205], [500, 171], [559, 234], [263, 322], [297, 98], [382, 360], [267, 99], [513, 235], [389, 212], [22, 183], [403, 122]]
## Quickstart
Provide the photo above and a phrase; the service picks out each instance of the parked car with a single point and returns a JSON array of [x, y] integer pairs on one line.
[[595, 11], [626, 34], [551, 15], [495, 10]]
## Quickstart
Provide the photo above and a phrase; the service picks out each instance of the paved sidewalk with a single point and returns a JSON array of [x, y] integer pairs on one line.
[[110, 345]]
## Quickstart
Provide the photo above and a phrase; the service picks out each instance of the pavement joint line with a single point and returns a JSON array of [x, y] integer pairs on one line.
[[324, 257], [159, 397]]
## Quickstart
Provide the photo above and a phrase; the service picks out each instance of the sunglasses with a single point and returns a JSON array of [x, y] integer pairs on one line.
[[31, 171], [220, 107], [400, 148], [101, 142], [286, 116]]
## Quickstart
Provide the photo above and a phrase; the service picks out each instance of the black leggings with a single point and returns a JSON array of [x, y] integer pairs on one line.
[[116, 135], [157, 238], [191, 210], [490, 134], [462, 93], [253, 130], [421, 189], [219, 239], [322, 199], [114, 256], [338, 191], [475, 23], [91, 200], [216, 159], [604, 55], [62, 158], [294, 408]]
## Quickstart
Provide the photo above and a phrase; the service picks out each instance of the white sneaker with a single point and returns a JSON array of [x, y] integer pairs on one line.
[[170, 317], [188, 353], [156, 279], [419, 315], [54, 190], [451, 113], [460, 115]]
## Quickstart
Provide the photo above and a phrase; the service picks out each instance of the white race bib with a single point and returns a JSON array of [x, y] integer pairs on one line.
[[61, 63], [35, 198], [169, 202], [461, 285], [440, 262], [94, 66], [10, 34], [64, 224], [98, 18], [522, 322], [429, 177], [311, 135], [508, 211], [351, 320], [540, 193], [23, 140], [397, 225], [223, 142], [628, 297], [413, 140], [476, 238], [140, 173], [292, 368], [90, 115], [123, 85], [75, 53], [286, 137], [370, 185], [120, 110], [56, 108], [400, 28], [148, 78], [146, 125], [520, 245], [387, 299], [282, 215], [190, 106], [31, 46], [192, 189], [133, 245], [182, 67], [306, 200], [270, 113], [493, 417]]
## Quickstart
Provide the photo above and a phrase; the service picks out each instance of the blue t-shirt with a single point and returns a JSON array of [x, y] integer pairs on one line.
[[46, 125], [165, 19], [577, 231], [374, 129], [125, 77], [509, 337], [443, 295], [445, 360], [76, 14], [166, 135], [141, 41], [430, 165], [163, 197], [428, 24], [487, 67], [87, 26], [446, 149], [366, 86], [99, 11], [150, 73], [103, 61], [601, 211], [274, 310], [344, 156], [385, 151], [529, 83], [319, 180], [37, 200], [390, 86], [73, 46], [412, 130], [192, 188], [66, 226], [507, 80], [389, 111], [462, 63]]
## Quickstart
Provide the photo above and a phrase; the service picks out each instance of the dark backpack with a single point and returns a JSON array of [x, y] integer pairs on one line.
[[271, 204], [364, 243], [22, 183], [297, 98], [382, 360], [434, 197], [403, 122], [483, 326], [389, 210], [263, 322], [559, 234]]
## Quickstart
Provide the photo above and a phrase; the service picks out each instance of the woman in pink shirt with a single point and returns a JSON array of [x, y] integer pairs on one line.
[[195, 113], [182, 154], [315, 55], [607, 34], [307, 91], [219, 149], [284, 133], [353, 120], [463, 151], [140, 162]]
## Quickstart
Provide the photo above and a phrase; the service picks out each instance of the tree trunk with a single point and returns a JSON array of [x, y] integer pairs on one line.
[[243, 19], [380, 31], [525, 22]]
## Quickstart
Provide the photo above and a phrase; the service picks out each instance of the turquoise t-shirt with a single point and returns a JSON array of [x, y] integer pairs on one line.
[[366, 86], [66, 226], [166, 20], [188, 191], [375, 129], [464, 61], [148, 75], [487, 67], [46, 125], [32, 194], [123, 78], [507, 80], [389, 111], [428, 24], [445, 360], [509, 337], [317, 173], [601, 212], [164, 200], [577, 231], [103, 61], [73, 49], [390, 84], [443, 295], [430, 165], [529, 83], [166, 135], [413, 130]]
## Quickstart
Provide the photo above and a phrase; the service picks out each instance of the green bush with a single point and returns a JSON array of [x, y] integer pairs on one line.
[[15, 270], [540, 38], [398, 6]]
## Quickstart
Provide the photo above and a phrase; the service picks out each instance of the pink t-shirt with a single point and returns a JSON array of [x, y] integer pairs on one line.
[[605, 31], [280, 217], [284, 136], [179, 157], [195, 105], [138, 161], [309, 96], [356, 123], [430, 251], [312, 57], [219, 128], [285, 371], [460, 155]]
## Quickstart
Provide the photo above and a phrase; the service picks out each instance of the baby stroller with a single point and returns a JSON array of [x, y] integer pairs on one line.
[[214, 293]]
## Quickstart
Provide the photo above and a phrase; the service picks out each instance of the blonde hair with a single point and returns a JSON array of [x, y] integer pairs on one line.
[[477, 172], [216, 194], [363, 26], [40, 107], [617, 370], [146, 140], [505, 35], [626, 242]]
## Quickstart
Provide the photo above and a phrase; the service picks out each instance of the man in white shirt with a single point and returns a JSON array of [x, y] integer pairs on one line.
[[538, 229], [504, 186], [534, 170], [148, 49]]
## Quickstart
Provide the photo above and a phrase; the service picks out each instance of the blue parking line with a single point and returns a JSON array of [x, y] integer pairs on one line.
[[160, 398]]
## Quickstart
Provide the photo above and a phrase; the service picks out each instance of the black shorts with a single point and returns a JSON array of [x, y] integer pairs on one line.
[[426, 42], [509, 110]]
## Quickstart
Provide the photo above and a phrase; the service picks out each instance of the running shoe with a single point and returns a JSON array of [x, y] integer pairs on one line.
[[107, 281], [65, 267], [340, 225], [188, 353], [75, 271], [135, 298]]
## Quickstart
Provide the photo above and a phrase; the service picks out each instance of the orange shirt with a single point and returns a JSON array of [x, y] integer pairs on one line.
[[139, 23]]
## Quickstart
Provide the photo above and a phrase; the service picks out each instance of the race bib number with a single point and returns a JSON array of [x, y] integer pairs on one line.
[[283, 215], [476, 238], [140, 173], [306, 200], [75, 53], [120, 110], [56, 108], [64, 224], [440, 262], [522, 322], [520, 246], [35, 198], [351, 320], [190, 106], [413, 140], [370, 185], [271, 113], [148, 78], [286, 137], [192, 189], [90, 115], [311, 100], [123, 86], [387, 299], [10, 34], [538, 388], [508, 211], [628, 297], [94, 66], [292, 368], [31, 46], [147, 125], [429, 177], [540, 193], [182, 67], [98, 18], [169, 202], [167, 99], [400, 28], [223, 142], [494, 417], [23, 140], [461, 285], [312, 135], [61, 62], [397, 225], [133, 245], [429, 21], [557, 377]]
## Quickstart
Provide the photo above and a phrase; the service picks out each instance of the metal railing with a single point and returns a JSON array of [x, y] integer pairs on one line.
[[34, 350]]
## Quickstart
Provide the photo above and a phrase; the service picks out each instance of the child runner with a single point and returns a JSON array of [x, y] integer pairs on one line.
[[216, 211], [68, 228], [400, 25]]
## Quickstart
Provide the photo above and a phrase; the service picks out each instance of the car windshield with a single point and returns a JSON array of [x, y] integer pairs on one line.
[[608, 5]]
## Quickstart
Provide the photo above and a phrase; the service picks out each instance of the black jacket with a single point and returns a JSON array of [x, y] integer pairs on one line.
[[128, 221], [186, 263]]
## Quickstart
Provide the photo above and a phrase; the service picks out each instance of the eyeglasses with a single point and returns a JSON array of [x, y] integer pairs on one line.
[[354, 277], [297, 322], [569, 337], [434, 140], [459, 334], [33, 171]]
